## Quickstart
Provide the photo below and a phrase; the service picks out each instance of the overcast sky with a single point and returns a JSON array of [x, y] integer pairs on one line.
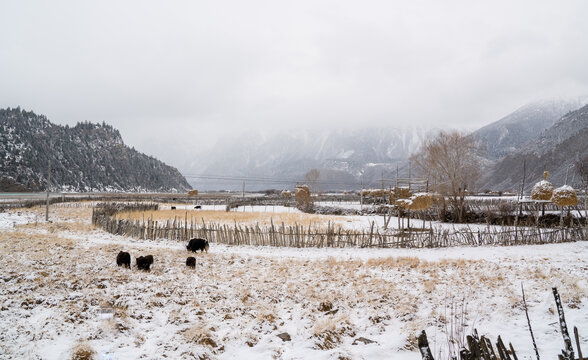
[[173, 75]]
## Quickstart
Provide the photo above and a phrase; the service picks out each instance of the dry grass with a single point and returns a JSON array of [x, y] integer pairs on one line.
[[230, 218], [329, 332], [83, 351], [44, 269]]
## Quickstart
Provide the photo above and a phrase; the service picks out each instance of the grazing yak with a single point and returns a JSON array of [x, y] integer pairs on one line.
[[144, 262], [198, 207], [123, 259], [173, 207], [191, 262], [197, 244]]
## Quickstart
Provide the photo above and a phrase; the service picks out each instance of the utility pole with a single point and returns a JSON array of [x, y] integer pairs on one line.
[[48, 190], [523, 182], [243, 193], [361, 196]]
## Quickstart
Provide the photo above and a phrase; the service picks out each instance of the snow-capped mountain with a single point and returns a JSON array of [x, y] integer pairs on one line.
[[510, 133], [556, 149], [85, 157], [344, 158]]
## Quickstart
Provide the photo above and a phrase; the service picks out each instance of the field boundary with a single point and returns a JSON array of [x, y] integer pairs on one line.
[[299, 236]]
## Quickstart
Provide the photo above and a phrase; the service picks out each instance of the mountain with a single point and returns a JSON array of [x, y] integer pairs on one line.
[[510, 133], [344, 158], [85, 157], [556, 150]]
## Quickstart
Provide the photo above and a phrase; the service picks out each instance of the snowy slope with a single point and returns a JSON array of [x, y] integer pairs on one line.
[[511, 132]]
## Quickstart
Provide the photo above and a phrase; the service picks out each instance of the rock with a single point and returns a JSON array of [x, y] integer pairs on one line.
[[285, 336], [363, 340]]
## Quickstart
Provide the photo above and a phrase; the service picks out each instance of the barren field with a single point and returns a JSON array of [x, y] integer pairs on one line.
[[61, 294]]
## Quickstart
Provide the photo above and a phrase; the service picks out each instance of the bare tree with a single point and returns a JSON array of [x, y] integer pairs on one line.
[[582, 169], [450, 162], [312, 179]]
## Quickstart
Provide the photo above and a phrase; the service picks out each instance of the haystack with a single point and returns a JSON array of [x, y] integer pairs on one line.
[[421, 201], [402, 193], [286, 193], [302, 196], [543, 190], [564, 196], [378, 192], [404, 203], [193, 192]]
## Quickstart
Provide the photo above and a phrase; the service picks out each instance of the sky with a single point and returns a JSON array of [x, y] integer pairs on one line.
[[176, 76]]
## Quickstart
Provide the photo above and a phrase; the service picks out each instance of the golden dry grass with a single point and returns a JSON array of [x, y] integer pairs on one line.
[[253, 296], [230, 218], [564, 196], [83, 351]]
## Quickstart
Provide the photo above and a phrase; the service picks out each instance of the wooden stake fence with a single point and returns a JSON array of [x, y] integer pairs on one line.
[[480, 347], [333, 236]]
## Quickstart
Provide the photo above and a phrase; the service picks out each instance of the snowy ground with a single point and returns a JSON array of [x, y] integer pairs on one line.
[[60, 289]]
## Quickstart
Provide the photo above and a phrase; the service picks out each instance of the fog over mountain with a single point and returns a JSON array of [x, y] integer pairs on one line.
[[345, 158], [348, 159], [176, 77]]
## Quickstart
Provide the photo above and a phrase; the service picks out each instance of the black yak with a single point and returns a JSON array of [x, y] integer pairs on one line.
[[197, 207], [123, 259], [191, 262], [173, 207], [197, 244], [144, 262]]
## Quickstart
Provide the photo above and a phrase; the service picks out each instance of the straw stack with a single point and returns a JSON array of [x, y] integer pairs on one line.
[[564, 196], [543, 190], [421, 201]]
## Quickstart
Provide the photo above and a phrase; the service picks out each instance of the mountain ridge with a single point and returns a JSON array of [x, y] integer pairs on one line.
[[345, 158], [511, 132], [556, 150], [84, 157]]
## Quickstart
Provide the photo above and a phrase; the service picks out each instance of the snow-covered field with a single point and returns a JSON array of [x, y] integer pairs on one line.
[[60, 290]]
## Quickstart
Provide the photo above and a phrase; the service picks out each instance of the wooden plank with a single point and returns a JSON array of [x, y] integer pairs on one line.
[[568, 351], [424, 348], [577, 336], [502, 349]]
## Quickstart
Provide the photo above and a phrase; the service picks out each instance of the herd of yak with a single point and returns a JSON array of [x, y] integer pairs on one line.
[[144, 262]]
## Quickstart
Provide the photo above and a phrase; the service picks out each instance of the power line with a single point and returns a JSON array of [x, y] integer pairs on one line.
[[240, 178]]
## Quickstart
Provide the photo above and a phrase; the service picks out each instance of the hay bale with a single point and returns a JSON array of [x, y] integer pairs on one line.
[[193, 192], [402, 193], [375, 192], [404, 203], [303, 199], [543, 190], [421, 201], [564, 196], [379, 193]]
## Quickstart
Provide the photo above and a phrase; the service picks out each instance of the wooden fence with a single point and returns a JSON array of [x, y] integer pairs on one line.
[[480, 348], [183, 229]]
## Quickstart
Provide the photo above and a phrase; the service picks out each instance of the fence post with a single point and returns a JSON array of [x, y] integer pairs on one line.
[[568, 352], [423, 345]]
